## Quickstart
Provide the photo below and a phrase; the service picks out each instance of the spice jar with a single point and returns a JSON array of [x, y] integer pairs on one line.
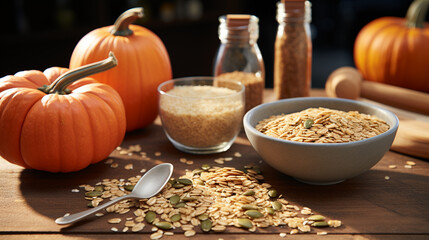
[[239, 58], [293, 50]]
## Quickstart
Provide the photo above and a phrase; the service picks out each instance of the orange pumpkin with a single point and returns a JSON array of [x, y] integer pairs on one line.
[[144, 65], [59, 121], [395, 50]]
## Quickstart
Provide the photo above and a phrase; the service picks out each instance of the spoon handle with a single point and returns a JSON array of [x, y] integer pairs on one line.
[[79, 216]]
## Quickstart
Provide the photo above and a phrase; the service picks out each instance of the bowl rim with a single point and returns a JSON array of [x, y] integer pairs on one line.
[[202, 78], [248, 126]]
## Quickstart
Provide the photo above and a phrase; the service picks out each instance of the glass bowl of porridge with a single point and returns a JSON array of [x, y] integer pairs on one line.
[[201, 115]]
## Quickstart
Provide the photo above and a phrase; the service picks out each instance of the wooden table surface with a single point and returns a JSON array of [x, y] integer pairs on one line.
[[369, 206]]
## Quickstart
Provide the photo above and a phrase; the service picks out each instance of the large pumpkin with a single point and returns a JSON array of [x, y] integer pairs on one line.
[[396, 50], [144, 64], [58, 121]]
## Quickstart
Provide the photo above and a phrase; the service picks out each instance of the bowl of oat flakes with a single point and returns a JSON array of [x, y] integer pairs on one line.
[[320, 140]]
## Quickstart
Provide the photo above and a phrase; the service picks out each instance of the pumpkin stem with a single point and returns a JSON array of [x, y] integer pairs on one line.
[[60, 84], [416, 13], [121, 26]]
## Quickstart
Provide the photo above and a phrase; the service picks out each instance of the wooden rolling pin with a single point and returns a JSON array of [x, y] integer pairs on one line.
[[347, 82], [412, 137]]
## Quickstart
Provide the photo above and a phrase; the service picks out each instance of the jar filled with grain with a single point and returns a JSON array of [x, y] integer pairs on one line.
[[239, 58], [293, 49]]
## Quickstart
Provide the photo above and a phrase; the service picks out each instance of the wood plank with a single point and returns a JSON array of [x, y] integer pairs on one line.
[[368, 204]]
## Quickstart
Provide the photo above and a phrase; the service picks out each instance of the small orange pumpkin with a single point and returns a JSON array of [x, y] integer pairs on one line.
[[395, 50], [59, 121], [144, 65]]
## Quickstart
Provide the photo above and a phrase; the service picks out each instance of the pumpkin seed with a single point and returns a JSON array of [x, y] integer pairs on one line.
[[178, 185], [197, 171], [254, 213], [244, 222], [188, 199], [176, 217], [316, 218], [180, 205], [277, 206], [249, 207], [203, 216], [205, 167], [273, 193], [129, 187], [99, 188], [93, 194], [269, 210], [320, 224], [90, 205], [184, 181], [249, 193], [164, 225], [172, 181], [308, 123], [206, 225], [174, 199], [150, 217]]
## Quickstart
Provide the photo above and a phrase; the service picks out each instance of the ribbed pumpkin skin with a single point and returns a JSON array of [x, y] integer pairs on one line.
[[58, 133], [143, 64], [387, 51]]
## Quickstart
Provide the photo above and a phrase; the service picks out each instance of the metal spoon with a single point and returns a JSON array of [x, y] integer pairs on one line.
[[149, 185]]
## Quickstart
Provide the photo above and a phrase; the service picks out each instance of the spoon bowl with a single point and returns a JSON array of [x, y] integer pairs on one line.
[[149, 185]]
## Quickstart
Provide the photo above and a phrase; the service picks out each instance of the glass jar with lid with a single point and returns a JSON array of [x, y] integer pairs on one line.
[[239, 58], [293, 49]]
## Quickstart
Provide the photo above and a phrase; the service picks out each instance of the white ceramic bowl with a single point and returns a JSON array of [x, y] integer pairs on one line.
[[319, 163]]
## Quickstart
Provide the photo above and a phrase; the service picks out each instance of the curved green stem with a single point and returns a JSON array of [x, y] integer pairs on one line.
[[416, 13], [60, 84], [121, 26]]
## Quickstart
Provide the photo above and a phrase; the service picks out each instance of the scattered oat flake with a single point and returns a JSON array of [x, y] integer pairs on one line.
[[156, 235], [322, 233], [228, 159], [411, 163], [189, 233], [189, 162], [392, 166], [408, 166], [143, 170], [129, 166], [219, 161], [157, 154], [114, 220], [386, 177], [114, 165], [113, 229], [99, 214], [75, 190], [109, 161], [183, 160], [282, 235], [118, 148], [169, 233], [237, 154]]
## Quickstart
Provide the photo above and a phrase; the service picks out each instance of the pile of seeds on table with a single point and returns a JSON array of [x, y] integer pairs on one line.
[[209, 199]]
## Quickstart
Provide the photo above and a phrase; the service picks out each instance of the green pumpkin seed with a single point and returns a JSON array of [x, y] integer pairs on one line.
[[320, 224], [316, 218], [203, 216], [197, 171], [90, 205], [129, 187], [180, 205], [184, 181], [249, 207], [244, 222], [164, 225], [176, 217], [273, 193], [99, 188], [172, 181], [249, 193], [308, 123], [93, 194], [277, 206], [206, 225], [254, 213], [189, 199], [205, 167], [174, 199], [150, 217], [178, 185], [270, 210]]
